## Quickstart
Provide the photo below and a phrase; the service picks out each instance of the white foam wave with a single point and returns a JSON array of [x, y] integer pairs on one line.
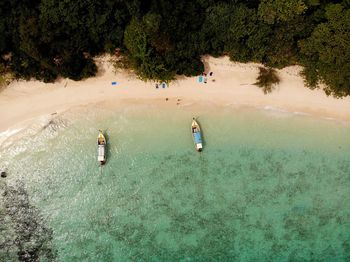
[[300, 113], [275, 109], [284, 112], [32, 134], [8, 133]]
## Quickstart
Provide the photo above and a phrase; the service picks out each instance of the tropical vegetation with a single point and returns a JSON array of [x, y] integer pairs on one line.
[[159, 39]]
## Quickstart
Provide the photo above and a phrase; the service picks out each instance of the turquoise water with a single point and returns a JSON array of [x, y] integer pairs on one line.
[[268, 186]]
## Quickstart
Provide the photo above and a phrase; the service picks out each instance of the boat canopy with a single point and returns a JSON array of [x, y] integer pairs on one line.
[[101, 152], [197, 137]]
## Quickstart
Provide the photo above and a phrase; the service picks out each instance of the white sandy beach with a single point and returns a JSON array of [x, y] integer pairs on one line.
[[232, 83]]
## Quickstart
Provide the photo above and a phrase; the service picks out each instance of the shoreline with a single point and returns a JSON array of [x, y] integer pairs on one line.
[[25, 101]]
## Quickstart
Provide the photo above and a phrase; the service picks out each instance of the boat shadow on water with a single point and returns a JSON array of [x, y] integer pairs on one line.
[[108, 146]]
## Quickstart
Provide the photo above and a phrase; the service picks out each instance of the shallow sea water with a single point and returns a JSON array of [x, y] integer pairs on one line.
[[269, 186]]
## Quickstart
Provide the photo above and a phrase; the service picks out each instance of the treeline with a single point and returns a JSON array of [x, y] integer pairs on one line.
[[161, 38]]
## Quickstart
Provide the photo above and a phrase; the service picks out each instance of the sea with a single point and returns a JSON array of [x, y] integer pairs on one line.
[[270, 185]]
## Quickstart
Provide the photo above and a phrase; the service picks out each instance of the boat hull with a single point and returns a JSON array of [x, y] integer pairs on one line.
[[101, 149], [196, 135]]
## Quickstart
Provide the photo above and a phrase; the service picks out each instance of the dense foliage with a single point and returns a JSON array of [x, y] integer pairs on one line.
[[161, 38]]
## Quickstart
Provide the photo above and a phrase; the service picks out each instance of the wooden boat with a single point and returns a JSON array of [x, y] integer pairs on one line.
[[101, 148], [196, 135]]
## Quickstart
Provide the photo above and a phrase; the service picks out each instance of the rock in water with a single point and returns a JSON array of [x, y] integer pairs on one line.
[[3, 174]]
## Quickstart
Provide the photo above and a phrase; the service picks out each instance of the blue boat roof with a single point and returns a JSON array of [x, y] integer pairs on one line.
[[197, 137]]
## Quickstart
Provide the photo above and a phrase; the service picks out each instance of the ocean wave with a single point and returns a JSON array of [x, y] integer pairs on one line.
[[276, 110], [301, 113], [8, 133], [32, 134]]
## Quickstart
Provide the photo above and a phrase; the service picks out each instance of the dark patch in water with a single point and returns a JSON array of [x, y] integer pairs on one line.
[[55, 124], [227, 232], [25, 234], [250, 206]]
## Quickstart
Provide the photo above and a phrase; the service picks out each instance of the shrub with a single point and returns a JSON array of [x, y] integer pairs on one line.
[[5, 76]]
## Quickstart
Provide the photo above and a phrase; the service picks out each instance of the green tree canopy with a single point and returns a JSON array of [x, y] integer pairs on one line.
[[162, 38], [326, 53], [139, 39], [273, 11]]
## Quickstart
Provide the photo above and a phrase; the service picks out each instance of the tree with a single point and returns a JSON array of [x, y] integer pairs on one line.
[[274, 11], [144, 60], [234, 29], [267, 79], [326, 53], [282, 45], [162, 38]]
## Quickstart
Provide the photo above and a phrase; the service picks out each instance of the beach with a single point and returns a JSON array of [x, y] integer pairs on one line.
[[217, 161], [271, 183], [23, 102]]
